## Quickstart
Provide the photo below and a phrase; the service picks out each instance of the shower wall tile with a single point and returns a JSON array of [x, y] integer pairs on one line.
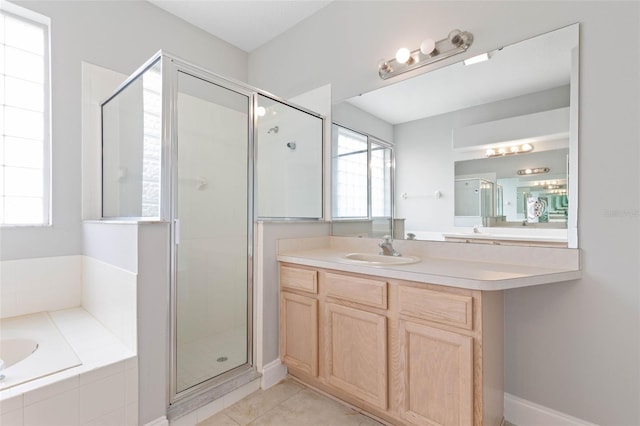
[[42, 284]]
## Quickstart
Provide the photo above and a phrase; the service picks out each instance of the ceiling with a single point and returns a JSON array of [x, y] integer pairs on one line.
[[246, 24]]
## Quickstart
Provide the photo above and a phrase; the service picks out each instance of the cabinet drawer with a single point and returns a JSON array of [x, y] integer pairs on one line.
[[443, 308], [359, 290], [299, 279]]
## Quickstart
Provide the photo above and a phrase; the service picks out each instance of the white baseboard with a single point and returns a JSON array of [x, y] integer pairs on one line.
[[273, 373], [521, 412], [160, 421]]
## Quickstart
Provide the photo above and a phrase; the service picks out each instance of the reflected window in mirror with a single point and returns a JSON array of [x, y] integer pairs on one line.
[[362, 176], [349, 152]]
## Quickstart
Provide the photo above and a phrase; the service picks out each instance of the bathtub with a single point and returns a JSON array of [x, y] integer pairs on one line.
[[79, 374], [31, 347]]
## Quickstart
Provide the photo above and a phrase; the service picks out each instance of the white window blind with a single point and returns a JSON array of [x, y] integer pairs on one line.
[[24, 118]]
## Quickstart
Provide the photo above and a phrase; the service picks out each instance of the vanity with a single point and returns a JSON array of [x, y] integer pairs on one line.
[[414, 342]]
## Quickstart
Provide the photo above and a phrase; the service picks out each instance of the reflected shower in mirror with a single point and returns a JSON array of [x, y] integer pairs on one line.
[[463, 121], [288, 161]]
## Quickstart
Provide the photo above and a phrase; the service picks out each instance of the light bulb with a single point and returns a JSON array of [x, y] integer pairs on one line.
[[528, 171], [427, 46], [526, 147], [514, 149], [383, 65], [402, 55], [455, 37], [502, 151], [491, 152], [261, 111]]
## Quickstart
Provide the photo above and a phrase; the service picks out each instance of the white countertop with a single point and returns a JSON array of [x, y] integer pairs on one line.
[[470, 274]]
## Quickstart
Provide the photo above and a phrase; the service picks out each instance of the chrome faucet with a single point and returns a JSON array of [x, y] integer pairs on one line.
[[387, 247]]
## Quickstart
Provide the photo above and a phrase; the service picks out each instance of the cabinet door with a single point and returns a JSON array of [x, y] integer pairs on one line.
[[436, 376], [356, 353], [299, 332]]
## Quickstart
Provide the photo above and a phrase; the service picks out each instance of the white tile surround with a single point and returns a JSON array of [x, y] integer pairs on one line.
[[109, 294], [104, 389], [28, 286]]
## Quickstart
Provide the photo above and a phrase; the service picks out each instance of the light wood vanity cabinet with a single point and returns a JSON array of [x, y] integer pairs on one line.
[[299, 319], [409, 353], [354, 328]]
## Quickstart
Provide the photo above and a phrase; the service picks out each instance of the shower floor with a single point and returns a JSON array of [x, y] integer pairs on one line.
[[203, 359]]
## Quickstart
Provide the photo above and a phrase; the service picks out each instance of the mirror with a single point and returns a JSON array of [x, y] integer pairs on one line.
[[474, 127]]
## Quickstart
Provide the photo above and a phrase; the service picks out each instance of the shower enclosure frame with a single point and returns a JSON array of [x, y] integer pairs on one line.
[[171, 67]]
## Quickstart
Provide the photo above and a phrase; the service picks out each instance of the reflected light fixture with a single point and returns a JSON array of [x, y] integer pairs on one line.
[[261, 111], [476, 59], [509, 150], [535, 171], [429, 52]]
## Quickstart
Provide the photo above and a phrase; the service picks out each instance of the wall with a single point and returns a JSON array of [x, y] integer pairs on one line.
[[573, 347], [119, 36], [356, 119], [267, 291]]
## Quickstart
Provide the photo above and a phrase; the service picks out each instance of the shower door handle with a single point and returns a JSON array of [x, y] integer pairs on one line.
[[176, 231]]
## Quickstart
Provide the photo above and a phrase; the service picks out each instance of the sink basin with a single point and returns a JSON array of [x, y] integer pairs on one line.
[[381, 260]]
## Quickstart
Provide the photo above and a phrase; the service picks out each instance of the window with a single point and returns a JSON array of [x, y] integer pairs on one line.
[[24, 117], [361, 176]]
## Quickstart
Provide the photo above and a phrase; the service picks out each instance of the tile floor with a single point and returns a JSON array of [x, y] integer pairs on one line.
[[288, 404]]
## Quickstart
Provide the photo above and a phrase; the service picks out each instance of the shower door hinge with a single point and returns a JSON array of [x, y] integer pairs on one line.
[[176, 231]]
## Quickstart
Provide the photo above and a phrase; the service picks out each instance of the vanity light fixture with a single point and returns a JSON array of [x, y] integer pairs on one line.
[[430, 51], [535, 171], [509, 150]]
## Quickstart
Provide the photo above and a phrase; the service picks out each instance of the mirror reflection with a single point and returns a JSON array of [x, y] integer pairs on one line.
[[525, 190], [481, 148]]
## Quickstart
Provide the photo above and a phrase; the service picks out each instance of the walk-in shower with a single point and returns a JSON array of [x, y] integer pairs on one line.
[[178, 147]]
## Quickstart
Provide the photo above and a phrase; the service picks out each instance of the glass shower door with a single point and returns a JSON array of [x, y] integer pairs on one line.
[[212, 215]]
